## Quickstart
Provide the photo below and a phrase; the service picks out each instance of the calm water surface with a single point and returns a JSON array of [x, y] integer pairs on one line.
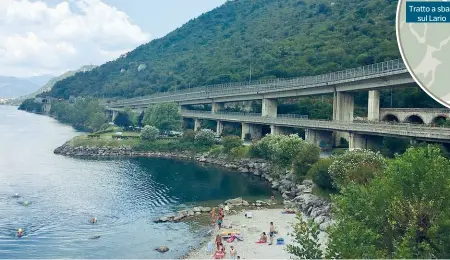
[[125, 195]]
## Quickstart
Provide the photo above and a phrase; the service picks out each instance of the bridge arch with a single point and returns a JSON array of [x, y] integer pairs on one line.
[[390, 118], [439, 119], [414, 119]]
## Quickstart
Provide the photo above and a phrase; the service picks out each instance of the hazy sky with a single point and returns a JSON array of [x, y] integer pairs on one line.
[[52, 36]]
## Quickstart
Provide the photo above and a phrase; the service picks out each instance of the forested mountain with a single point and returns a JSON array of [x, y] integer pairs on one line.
[[49, 85], [278, 38]]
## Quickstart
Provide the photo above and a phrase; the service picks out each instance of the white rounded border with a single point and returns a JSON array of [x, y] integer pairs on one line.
[[411, 72]]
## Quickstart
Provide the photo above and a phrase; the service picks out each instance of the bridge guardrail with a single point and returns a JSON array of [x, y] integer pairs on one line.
[[422, 131]]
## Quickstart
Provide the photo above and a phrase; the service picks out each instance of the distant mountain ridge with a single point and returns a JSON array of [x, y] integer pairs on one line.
[[12, 87]]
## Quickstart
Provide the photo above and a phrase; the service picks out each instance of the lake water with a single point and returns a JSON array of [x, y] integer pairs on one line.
[[125, 195]]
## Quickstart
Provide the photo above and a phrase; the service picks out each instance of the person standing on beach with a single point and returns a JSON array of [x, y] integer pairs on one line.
[[271, 232], [219, 221], [233, 252]]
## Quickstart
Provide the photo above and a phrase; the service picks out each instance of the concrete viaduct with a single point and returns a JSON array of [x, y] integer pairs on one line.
[[342, 85]]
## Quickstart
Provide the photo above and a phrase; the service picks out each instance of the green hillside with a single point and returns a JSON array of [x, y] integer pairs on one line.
[[278, 38], [49, 85]]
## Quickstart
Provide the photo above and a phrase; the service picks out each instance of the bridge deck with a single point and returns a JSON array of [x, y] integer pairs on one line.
[[369, 128], [321, 83]]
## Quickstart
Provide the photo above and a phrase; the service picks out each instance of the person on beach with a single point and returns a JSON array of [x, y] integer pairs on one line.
[[263, 238], [219, 221], [221, 213], [233, 252], [271, 232], [218, 241]]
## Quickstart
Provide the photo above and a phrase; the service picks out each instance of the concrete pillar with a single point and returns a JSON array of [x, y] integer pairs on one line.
[[219, 128], [359, 141], [323, 139], [114, 115], [343, 107], [279, 130], [255, 131], [373, 111], [196, 124], [217, 107], [269, 107]]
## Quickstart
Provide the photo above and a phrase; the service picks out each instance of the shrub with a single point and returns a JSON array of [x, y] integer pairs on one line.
[[320, 175], [357, 166], [239, 152], [230, 142], [304, 160], [188, 136], [205, 137], [149, 133], [280, 149], [215, 150], [306, 236]]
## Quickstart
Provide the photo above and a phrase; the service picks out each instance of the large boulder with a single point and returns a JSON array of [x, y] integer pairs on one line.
[[205, 209], [236, 201]]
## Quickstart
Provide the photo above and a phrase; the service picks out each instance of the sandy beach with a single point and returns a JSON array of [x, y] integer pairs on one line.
[[251, 229]]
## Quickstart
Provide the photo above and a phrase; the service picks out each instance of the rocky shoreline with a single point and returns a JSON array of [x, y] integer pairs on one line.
[[298, 196]]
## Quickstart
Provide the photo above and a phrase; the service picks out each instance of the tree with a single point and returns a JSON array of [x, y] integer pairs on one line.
[[149, 133], [358, 166], [304, 160], [306, 239], [320, 175], [96, 120], [230, 142], [164, 116], [280, 149], [205, 137], [123, 119], [404, 213]]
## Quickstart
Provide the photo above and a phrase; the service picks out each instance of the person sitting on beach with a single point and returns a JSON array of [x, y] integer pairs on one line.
[[289, 211], [93, 220], [19, 233], [233, 252], [263, 238]]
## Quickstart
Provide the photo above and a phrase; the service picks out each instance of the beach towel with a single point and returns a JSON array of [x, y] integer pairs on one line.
[[260, 242], [231, 239], [239, 237]]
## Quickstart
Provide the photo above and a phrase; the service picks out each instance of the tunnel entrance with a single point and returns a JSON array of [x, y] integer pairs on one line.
[[414, 119]]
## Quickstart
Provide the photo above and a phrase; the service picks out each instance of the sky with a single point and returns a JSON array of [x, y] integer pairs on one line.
[[39, 37]]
